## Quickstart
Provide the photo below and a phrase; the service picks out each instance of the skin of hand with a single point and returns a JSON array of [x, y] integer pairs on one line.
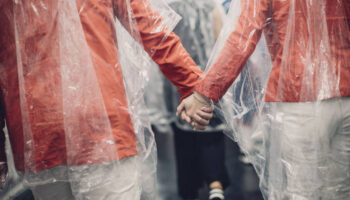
[[196, 112]]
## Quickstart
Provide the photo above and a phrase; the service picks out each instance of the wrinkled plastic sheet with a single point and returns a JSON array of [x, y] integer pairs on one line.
[[57, 75], [197, 33], [287, 108]]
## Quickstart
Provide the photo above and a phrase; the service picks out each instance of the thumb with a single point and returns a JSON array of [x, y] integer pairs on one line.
[[180, 108]]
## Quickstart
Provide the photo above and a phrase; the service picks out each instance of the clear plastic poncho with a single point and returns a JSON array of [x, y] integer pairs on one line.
[[286, 68], [80, 68], [197, 33]]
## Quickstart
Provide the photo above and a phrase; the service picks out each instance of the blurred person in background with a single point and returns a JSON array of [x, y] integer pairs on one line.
[[200, 155]]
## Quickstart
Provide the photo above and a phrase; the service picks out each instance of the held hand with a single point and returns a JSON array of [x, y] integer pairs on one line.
[[196, 110], [202, 117]]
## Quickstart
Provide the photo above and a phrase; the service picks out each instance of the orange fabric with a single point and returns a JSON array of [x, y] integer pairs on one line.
[[43, 86], [271, 17]]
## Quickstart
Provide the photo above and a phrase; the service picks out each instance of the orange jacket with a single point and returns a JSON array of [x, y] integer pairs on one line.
[[285, 83], [39, 49]]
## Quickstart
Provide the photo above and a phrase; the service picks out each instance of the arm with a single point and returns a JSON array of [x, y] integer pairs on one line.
[[173, 60], [239, 46], [218, 21]]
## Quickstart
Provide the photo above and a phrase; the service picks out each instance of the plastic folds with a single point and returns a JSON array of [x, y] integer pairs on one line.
[[285, 69], [71, 81], [197, 31]]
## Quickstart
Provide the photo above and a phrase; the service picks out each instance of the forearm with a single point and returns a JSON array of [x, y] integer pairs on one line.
[[177, 65], [160, 43], [238, 47], [226, 68]]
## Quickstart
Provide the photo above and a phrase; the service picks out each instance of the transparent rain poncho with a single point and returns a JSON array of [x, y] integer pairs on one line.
[[284, 67], [197, 32], [76, 71]]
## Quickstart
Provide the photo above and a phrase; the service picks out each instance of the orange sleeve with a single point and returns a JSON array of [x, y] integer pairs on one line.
[[163, 46], [236, 51]]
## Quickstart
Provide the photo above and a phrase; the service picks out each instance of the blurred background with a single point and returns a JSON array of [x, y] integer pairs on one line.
[[242, 177]]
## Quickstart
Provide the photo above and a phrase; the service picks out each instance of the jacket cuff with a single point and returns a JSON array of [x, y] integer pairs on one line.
[[205, 91]]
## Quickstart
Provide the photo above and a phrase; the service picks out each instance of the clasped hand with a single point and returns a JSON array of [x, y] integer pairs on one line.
[[196, 110]]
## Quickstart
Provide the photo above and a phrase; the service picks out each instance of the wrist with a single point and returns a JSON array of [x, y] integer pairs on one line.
[[202, 99]]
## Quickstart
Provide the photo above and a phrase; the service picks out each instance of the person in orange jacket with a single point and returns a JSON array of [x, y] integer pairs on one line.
[[31, 82], [308, 86]]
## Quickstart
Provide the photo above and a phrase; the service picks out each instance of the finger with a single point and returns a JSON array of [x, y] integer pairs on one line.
[[193, 124], [199, 127], [208, 109], [185, 117], [200, 121], [204, 115], [180, 108]]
